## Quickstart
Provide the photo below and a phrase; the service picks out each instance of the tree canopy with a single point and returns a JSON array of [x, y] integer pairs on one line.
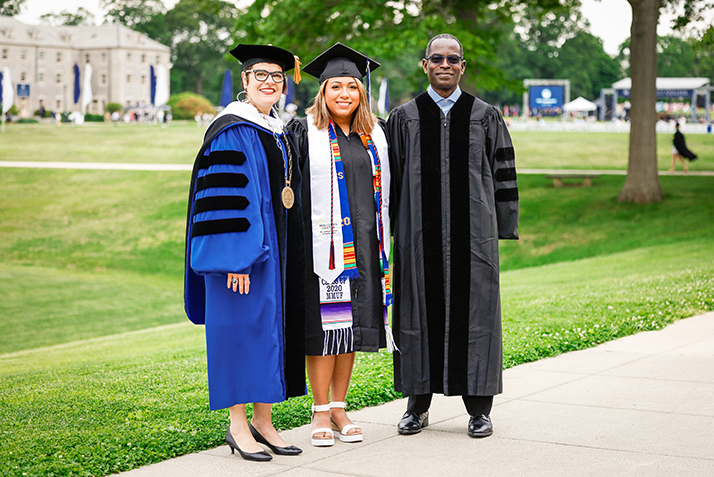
[[10, 7]]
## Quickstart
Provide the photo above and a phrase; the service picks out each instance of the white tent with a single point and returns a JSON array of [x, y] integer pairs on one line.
[[580, 104]]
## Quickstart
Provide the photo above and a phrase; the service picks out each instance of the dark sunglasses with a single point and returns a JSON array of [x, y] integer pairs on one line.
[[262, 75], [439, 59]]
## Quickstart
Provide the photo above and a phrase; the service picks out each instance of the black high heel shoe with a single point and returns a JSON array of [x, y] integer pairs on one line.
[[256, 456], [289, 450]]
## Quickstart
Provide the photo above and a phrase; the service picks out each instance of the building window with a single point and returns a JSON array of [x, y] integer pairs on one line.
[[86, 58], [157, 59], [59, 77], [143, 79], [104, 79], [23, 76], [59, 104], [41, 78], [59, 56], [41, 55], [143, 58], [128, 79], [23, 54], [128, 57], [4, 53]]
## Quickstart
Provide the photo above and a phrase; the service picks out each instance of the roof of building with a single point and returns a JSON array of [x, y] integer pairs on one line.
[[13, 32], [667, 83]]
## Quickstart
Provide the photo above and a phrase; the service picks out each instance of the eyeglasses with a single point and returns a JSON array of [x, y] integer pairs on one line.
[[262, 75], [439, 59]]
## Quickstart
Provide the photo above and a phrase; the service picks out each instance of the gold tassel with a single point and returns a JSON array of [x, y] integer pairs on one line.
[[296, 73]]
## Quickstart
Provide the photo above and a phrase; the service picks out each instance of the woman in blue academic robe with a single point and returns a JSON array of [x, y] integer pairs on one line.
[[245, 256]]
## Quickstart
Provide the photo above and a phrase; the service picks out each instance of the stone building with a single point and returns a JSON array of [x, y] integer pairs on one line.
[[42, 59]]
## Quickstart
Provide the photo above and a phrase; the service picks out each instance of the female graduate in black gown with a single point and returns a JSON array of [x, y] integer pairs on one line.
[[245, 258], [344, 163]]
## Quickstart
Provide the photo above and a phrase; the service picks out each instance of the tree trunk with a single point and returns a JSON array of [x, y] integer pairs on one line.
[[642, 183], [199, 85]]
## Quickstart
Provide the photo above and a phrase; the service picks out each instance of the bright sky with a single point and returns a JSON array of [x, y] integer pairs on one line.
[[609, 19]]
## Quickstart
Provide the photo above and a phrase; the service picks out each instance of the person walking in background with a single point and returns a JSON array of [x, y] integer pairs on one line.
[[345, 164], [680, 151], [454, 195], [245, 265]]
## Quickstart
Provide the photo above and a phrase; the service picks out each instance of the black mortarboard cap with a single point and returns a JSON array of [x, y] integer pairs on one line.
[[340, 60], [251, 54]]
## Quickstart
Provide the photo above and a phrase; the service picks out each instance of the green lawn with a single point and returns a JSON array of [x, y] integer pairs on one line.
[[178, 144], [99, 142], [581, 150], [100, 371]]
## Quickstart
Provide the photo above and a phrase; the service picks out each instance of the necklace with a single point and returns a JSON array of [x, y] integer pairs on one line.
[[287, 195]]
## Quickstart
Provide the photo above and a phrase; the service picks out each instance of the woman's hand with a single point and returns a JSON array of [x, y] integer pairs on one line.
[[239, 283]]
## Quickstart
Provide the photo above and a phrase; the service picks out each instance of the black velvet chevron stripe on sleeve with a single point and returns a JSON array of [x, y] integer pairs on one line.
[[506, 174], [222, 202], [223, 179], [505, 154], [235, 158], [222, 226], [507, 195]]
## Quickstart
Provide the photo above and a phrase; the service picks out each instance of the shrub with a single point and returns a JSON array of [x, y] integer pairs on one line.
[[94, 117], [187, 105], [27, 121], [111, 107]]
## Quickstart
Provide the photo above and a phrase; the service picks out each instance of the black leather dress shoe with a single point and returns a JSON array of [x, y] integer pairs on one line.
[[480, 426], [256, 456], [412, 422], [289, 450]]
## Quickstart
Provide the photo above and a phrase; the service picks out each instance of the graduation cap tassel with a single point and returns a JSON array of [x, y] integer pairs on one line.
[[297, 77], [369, 87]]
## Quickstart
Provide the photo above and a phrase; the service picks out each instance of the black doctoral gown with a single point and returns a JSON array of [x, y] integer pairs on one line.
[[366, 291], [454, 195]]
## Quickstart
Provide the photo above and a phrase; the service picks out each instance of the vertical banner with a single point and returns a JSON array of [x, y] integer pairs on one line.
[[152, 80], [227, 89]]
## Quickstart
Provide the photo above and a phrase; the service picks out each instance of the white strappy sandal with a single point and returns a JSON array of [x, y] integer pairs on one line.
[[343, 435], [321, 442]]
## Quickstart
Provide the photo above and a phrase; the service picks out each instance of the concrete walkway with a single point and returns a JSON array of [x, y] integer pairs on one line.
[[638, 406]]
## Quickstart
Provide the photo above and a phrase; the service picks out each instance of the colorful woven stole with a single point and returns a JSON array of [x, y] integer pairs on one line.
[[348, 244]]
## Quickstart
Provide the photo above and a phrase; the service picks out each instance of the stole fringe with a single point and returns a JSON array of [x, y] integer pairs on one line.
[[336, 340]]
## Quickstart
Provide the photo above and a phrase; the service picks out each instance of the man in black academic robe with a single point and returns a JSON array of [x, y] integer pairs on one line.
[[454, 195]]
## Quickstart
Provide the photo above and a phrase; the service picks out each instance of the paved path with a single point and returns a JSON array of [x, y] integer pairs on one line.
[[638, 406], [188, 167]]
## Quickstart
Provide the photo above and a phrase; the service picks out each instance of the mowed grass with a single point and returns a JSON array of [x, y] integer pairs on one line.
[[104, 405], [99, 142], [101, 372], [178, 144], [581, 150]]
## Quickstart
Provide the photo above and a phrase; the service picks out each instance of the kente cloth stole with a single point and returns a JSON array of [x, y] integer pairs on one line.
[[334, 259]]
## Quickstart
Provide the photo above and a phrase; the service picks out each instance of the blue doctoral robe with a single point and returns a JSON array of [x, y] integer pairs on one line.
[[237, 224]]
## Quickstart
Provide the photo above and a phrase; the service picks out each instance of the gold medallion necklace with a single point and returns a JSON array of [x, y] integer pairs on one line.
[[287, 195]]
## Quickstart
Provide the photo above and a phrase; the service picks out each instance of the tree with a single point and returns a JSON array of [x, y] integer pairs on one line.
[[703, 48], [10, 7], [583, 60], [675, 57], [144, 16], [81, 17], [388, 30], [201, 37], [642, 182]]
